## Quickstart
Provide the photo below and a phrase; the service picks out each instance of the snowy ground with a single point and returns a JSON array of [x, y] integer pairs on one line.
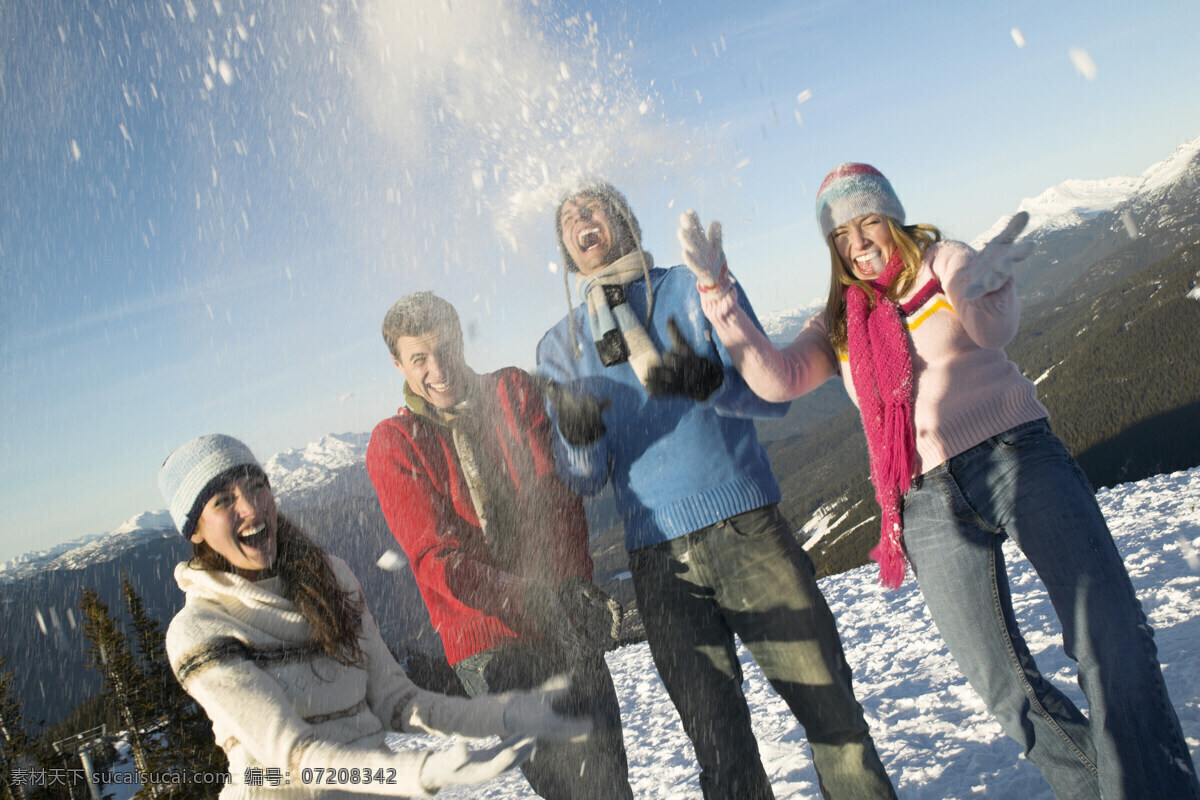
[[935, 738]]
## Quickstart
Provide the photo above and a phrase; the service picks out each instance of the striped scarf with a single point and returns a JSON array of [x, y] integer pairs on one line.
[[881, 367], [616, 331]]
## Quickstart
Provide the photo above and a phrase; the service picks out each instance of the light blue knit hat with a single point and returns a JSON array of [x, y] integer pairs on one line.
[[187, 477], [854, 190]]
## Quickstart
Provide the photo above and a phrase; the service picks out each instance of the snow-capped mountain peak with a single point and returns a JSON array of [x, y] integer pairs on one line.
[[290, 471], [1073, 200], [147, 521], [782, 326], [295, 470]]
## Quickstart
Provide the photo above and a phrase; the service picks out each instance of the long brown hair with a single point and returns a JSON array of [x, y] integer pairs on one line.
[[911, 240], [308, 581]]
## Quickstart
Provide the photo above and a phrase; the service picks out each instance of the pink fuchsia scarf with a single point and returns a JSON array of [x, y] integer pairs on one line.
[[881, 367]]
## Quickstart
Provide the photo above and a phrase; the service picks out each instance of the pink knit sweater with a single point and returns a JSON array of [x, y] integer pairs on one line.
[[965, 388]]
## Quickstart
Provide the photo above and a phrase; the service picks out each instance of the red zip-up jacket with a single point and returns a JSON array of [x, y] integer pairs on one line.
[[475, 600]]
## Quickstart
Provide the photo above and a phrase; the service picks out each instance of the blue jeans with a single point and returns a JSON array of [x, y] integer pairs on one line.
[[746, 575], [595, 769], [1023, 484]]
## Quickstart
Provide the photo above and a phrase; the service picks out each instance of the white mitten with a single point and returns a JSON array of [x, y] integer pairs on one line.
[[702, 254], [994, 265], [458, 765], [533, 713]]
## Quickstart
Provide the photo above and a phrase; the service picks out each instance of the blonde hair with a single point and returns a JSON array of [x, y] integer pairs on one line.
[[911, 240]]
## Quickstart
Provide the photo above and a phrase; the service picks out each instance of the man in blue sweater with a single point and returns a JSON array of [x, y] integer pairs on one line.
[[645, 397]]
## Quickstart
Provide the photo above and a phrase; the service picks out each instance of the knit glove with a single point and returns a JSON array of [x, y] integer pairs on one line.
[[702, 254], [580, 416], [545, 611], [458, 765], [683, 372], [994, 265], [596, 615]]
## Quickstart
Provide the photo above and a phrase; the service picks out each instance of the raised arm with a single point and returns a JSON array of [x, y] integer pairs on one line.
[[991, 319], [772, 373]]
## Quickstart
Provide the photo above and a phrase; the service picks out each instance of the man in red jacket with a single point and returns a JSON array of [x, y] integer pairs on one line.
[[499, 546]]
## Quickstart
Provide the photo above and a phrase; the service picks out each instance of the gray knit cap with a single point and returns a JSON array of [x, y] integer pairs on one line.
[[187, 478], [616, 208]]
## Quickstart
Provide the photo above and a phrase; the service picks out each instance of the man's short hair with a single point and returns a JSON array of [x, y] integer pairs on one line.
[[417, 314]]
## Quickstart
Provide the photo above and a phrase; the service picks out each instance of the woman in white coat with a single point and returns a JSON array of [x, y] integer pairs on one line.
[[276, 644]]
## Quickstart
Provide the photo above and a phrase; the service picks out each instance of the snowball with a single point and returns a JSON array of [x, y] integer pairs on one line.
[[804, 96], [1018, 37], [1083, 63], [392, 561]]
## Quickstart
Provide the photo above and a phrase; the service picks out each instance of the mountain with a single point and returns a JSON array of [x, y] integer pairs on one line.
[[1078, 224], [782, 326]]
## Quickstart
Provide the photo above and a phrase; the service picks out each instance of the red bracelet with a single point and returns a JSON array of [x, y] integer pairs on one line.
[[724, 274]]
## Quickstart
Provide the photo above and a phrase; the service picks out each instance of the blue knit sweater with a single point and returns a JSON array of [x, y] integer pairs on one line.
[[675, 465]]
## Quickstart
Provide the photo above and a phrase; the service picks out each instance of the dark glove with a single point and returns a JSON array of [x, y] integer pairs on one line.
[[596, 615], [683, 372], [546, 614], [580, 416]]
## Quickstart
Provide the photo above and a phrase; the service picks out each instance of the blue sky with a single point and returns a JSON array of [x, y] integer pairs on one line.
[[207, 207]]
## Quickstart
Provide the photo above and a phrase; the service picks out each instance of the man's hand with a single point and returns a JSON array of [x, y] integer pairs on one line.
[[994, 265], [595, 614], [580, 416], [703, 255], [683, 372], [545, 612]]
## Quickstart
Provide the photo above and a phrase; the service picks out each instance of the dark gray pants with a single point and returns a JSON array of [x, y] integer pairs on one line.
[[748, 576], [595, 769]]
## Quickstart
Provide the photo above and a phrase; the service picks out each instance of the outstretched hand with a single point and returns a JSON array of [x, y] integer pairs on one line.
[[546, 712], [703, 255], [683, 372], [458, 765], [994, 266], [580, 416]]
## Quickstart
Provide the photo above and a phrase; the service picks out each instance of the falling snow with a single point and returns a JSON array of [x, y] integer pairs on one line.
[[1083, 63]]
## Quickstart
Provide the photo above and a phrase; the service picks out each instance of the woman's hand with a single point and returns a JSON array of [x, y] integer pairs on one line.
[[545, 712], [458, 765], [994, 266], [703, 255]]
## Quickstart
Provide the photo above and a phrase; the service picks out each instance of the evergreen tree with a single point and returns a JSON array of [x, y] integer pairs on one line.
[[183, 740], [14, 743], [108, 651]]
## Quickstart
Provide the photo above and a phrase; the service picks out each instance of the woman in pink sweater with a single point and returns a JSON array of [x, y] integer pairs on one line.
[[962, 457]]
